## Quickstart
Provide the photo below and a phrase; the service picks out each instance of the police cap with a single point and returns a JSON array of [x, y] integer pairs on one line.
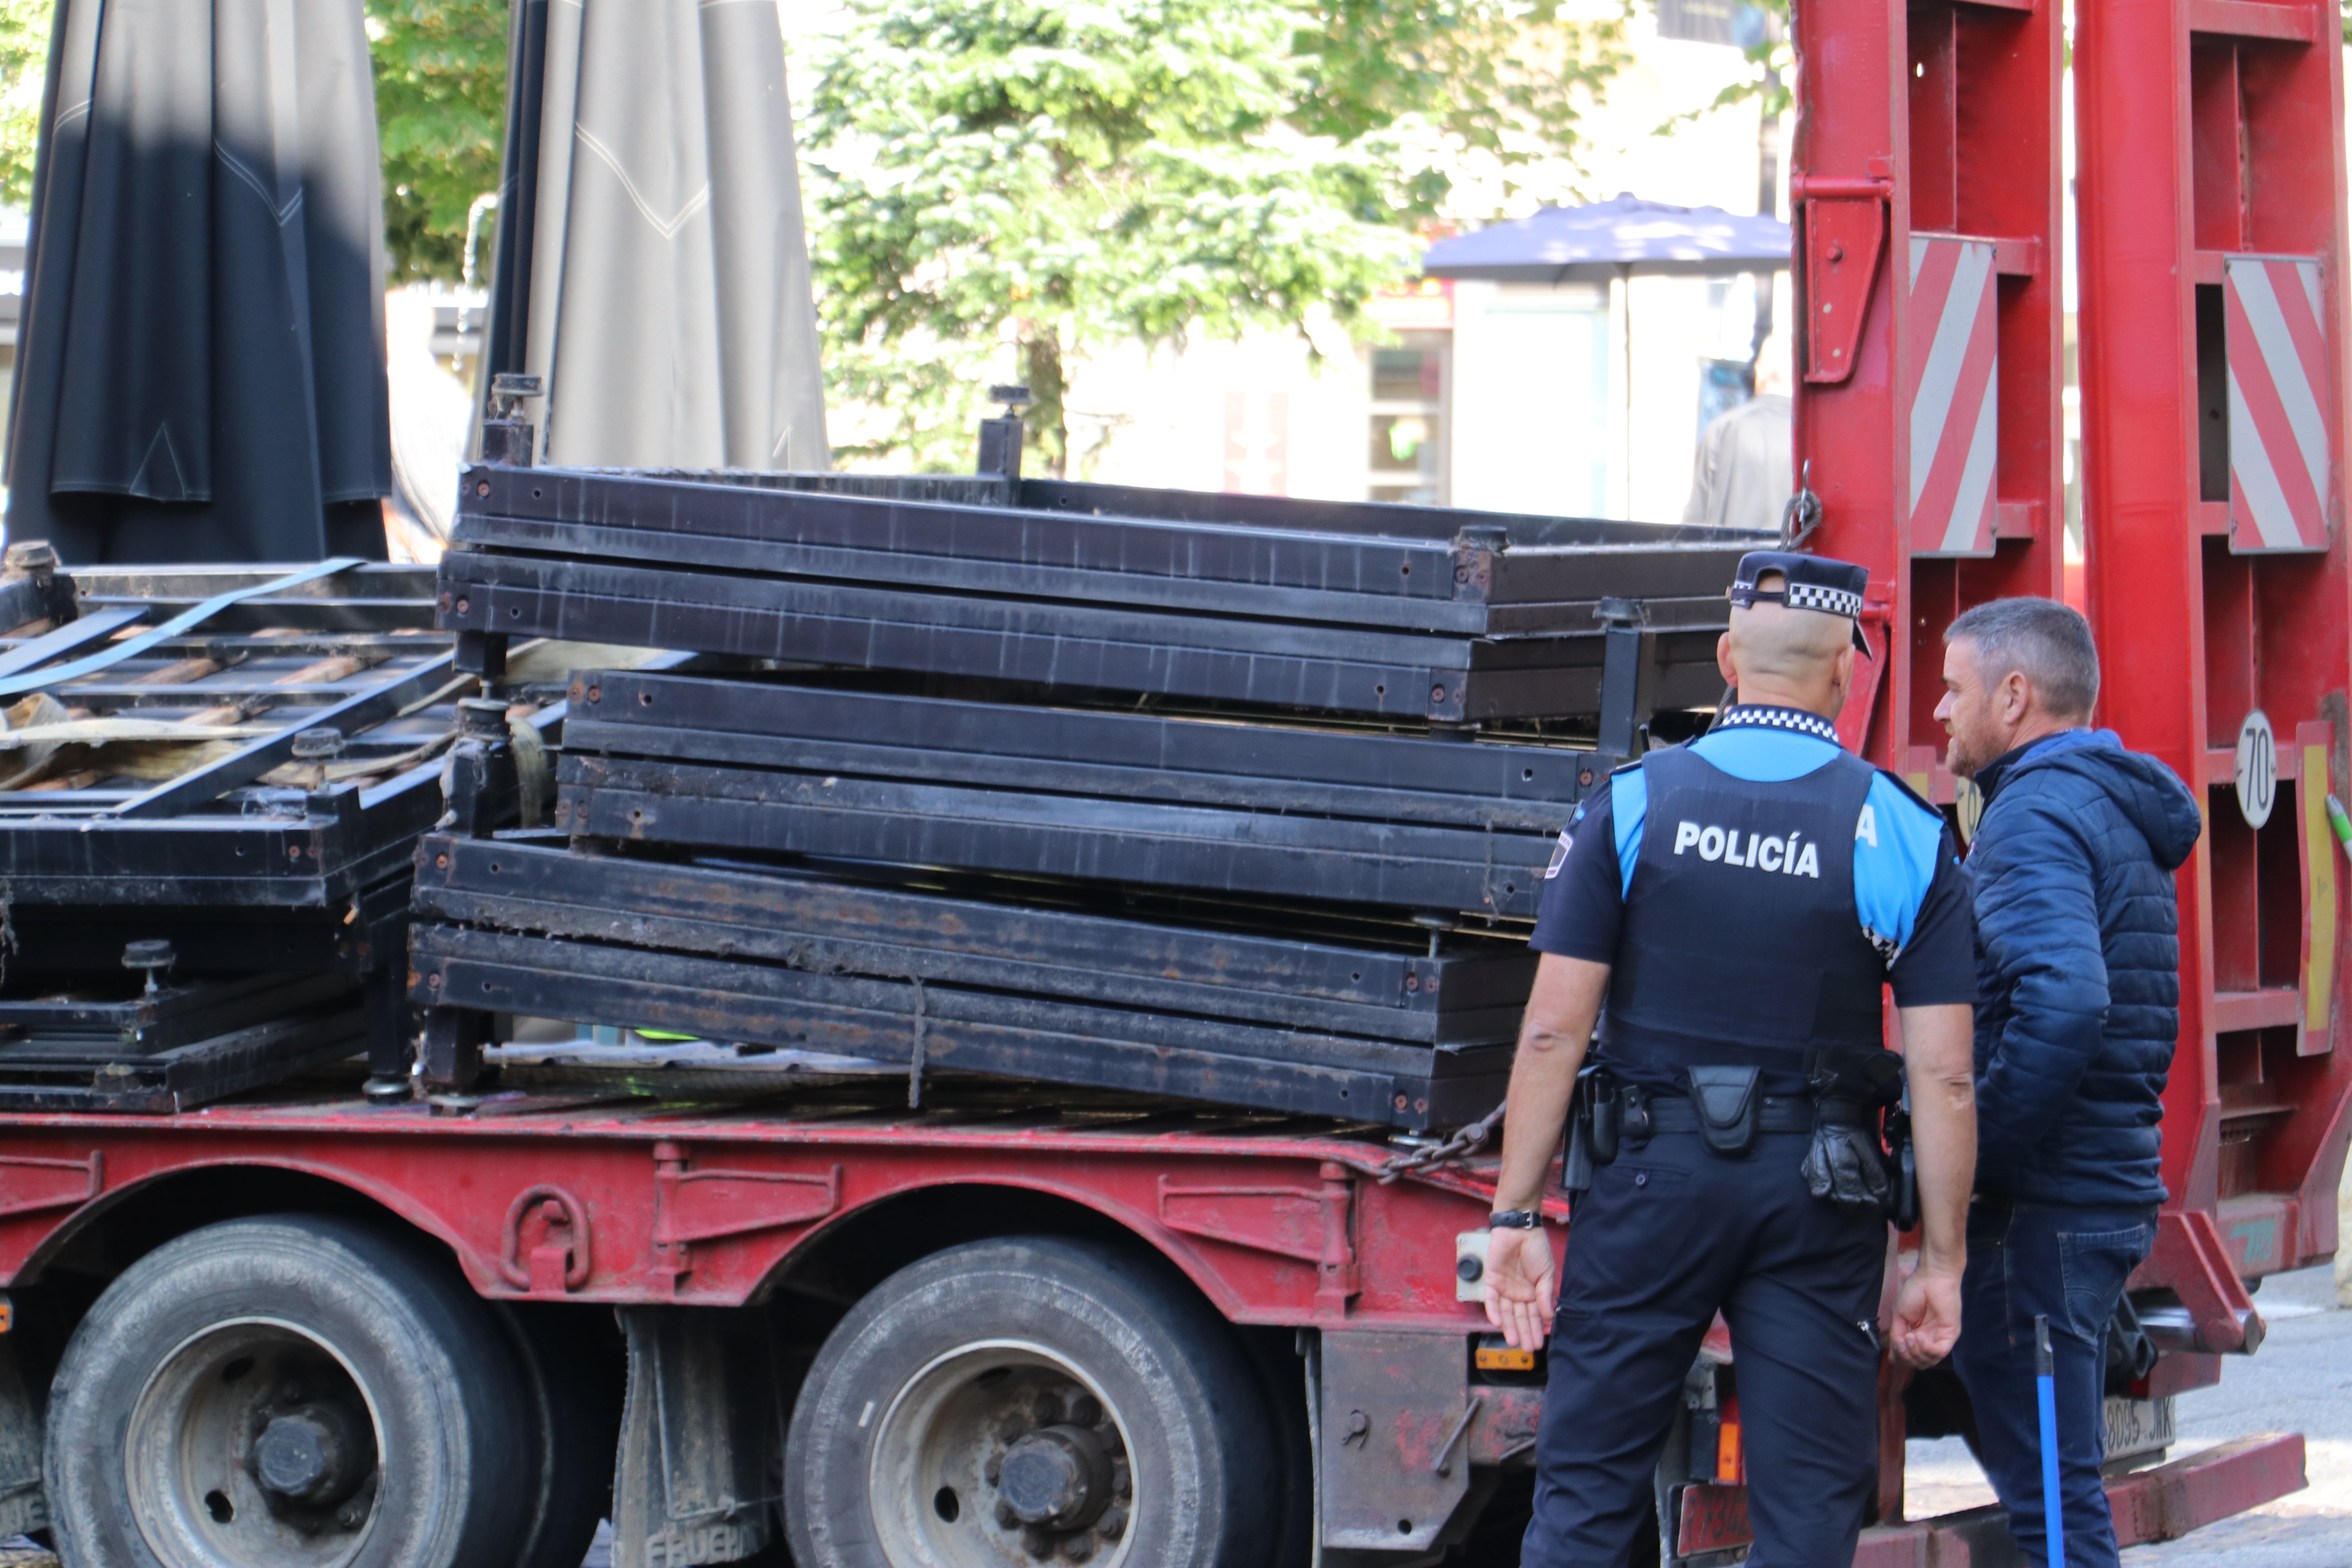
[[1807, 582]]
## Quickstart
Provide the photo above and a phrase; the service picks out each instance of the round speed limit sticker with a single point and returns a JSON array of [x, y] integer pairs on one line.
[[2257, 769]]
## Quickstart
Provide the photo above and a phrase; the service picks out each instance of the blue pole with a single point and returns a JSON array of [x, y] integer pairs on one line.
[[2045, 1388]]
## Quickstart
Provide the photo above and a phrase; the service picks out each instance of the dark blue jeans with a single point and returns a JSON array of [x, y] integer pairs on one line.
[[2070, 1265]]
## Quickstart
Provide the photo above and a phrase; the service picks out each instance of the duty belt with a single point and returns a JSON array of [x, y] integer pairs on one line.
[[1671, 1112], [1860, 1159]]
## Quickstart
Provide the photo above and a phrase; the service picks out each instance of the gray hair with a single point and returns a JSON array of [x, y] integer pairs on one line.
[[2047, 642]]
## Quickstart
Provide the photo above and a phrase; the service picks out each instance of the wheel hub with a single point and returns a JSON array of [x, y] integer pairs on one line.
[[1059, 1476], [253, 1446], [1002, 1455], [309, 1454]]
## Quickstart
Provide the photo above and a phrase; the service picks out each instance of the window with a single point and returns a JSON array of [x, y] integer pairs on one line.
[[1407, 452]]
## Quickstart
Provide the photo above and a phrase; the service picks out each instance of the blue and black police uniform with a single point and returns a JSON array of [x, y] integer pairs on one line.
[[1754, 891]]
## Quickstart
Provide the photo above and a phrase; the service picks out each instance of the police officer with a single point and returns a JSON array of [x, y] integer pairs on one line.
[[1738, 903]]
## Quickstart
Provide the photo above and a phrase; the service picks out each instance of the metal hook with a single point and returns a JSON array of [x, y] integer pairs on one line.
[[1802, 515]]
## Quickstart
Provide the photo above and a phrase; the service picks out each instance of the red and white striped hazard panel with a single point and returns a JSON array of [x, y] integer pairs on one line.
[[2280, 459], [1953, 396]]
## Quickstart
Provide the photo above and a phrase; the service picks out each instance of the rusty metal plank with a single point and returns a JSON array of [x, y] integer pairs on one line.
[[1280, 967]]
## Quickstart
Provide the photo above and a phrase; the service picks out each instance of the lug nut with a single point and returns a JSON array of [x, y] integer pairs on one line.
[[1086, 1410]]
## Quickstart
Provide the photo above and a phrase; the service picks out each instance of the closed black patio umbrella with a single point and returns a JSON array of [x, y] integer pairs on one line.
[[200, 374]]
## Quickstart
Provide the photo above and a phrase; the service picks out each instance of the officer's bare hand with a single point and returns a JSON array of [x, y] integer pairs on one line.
[[1522, 1285], [1928, 1315]]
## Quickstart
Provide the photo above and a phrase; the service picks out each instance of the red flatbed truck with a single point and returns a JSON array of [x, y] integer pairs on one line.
[[1212, 1334]]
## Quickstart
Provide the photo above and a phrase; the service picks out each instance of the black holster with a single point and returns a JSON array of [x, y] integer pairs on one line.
[[1847, 1164], [1902, 1169], [1576, 1165]]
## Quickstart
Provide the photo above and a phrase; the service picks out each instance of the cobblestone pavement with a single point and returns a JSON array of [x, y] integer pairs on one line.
[[2300, 1381]]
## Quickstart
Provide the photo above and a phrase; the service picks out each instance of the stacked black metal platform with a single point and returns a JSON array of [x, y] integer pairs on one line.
[[1231, 798], [1412, 612], [1319, 1013], [220, 773], [795, 766], [122, 1046]]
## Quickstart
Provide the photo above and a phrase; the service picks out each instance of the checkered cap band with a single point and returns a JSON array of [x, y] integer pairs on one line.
[[1833, 601], [1761, 717]]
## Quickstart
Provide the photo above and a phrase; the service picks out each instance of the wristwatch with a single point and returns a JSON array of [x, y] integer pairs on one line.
[[1515, 1219]]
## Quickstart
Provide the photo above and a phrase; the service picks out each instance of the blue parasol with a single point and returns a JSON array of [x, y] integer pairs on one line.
[[1601, 240]]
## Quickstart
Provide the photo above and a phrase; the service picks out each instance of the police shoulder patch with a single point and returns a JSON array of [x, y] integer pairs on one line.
[[1559, 852]]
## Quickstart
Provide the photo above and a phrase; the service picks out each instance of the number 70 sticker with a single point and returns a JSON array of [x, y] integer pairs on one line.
[[2257, 769]]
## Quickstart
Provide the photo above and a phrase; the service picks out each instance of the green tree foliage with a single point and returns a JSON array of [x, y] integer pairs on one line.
[[440, 106], [1505, 81], [24, 69], [1772, 65], [1057, 175]]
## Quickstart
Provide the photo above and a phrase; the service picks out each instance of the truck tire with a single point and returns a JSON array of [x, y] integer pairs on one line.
[[287, 1392], [571, 1389], [1028, 1399]]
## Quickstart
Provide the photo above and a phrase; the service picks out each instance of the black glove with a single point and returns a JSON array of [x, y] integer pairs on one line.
[[1846, 1166]]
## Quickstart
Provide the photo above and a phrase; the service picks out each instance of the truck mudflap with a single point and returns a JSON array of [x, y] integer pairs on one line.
[[2162, 1503], [699, 1441]]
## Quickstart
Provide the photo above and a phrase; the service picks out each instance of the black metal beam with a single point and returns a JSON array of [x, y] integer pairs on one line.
[[954, 1030], [74, 1026], [1299, 976], [190, 1075], [76, 635], [1410, 868], [193, 583], [1112, 655], [1382, 517], [1217, 568], [843, 725]]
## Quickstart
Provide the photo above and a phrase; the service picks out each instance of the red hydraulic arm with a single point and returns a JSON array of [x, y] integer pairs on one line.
[[2212, 228], [1925, 187]]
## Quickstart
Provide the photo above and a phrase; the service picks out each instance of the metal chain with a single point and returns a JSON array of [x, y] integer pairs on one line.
[[915, 1061], [1463, 1140]]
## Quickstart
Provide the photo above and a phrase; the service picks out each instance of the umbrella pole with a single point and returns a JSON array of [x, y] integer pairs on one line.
[[1625, 287]]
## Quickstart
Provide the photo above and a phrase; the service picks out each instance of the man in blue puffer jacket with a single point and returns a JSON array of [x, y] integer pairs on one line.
[[2078, 995]]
